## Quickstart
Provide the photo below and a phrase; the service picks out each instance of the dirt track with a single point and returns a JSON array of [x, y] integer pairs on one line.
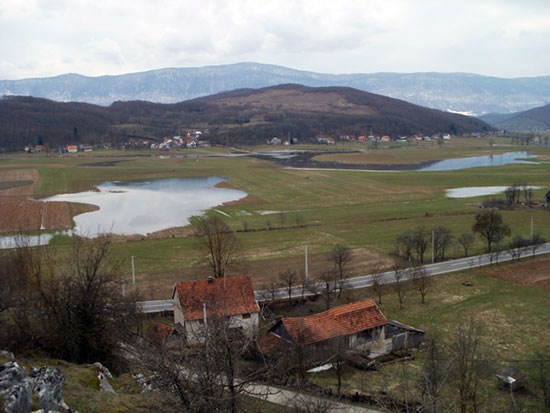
[[532, 272]]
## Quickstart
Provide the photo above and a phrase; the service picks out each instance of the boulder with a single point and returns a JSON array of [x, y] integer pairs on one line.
[[15, 391], [48, 383]]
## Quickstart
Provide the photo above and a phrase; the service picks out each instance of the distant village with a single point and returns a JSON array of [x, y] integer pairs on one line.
[[329, 140], [194, 139]]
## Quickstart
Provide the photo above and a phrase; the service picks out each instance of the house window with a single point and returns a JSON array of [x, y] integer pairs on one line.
[[246, 315]]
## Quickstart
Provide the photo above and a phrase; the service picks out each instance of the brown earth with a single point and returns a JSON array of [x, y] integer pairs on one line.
[[533, 272], [18, 213]]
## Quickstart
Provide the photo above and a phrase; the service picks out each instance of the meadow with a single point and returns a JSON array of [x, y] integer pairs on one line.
[[362, 209]]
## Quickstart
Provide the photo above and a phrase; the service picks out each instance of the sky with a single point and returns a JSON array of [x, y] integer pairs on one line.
[[504, 38]]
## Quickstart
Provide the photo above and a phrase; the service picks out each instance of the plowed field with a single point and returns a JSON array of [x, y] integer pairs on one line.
[[535, 272]]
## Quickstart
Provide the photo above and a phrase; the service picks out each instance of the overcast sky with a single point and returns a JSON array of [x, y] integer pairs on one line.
[[491, 37]]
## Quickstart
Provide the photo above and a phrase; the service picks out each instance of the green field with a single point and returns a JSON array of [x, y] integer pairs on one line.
[[365, 210]]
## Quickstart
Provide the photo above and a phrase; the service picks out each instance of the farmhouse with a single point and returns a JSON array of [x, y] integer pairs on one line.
[[353, 326], [72, 148], [195, 302], [359, 326]]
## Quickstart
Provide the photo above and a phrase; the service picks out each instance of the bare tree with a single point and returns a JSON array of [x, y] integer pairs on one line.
[[490, 225], [299, 221], [421, 239], [269, 293], [399, 271], [341, 256], [377, 285], [517, 246], [433, 377], [404, 244], [512, 194], [442, 239], [338, 349], [218, 242], [71, 299], [470, 365], [528, 194], [208, 377], [329, 281], [421, 280], [289, 279], [466, 241], [536, 241], [282, 219]]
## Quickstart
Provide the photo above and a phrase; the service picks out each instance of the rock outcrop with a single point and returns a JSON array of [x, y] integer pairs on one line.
[[17, 389]]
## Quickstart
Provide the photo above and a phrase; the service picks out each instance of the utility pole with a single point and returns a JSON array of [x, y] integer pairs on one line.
[[306, 263], [433, 247], [531, 236], [134, 277]]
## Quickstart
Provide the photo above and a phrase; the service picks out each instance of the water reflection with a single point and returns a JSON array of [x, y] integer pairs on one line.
[[143, 207], [479, 161]]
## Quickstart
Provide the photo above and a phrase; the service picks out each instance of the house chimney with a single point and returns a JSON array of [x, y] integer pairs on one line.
[[210, 279]]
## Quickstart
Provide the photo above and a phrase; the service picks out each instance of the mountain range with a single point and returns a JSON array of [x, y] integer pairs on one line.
[[244, 116], [454, 92]]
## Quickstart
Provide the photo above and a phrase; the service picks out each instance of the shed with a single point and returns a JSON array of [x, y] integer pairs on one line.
[[511, 378]]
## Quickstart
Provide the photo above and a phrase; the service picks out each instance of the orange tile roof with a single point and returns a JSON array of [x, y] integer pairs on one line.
[[222, 296], [336, 322]]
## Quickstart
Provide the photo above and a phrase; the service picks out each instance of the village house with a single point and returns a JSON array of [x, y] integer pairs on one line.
[[72, 148], [86, 147], [195, 302], [359, 326], [326, 141]]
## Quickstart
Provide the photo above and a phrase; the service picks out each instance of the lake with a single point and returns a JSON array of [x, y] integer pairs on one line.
[[479, 161], [142, 207]]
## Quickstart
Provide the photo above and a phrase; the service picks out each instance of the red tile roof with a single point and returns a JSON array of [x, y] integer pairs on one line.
[[222, 296], [339, 321]]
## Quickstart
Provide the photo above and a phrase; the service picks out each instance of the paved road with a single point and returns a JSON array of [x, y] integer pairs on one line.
[[294, 399], [366, 280]]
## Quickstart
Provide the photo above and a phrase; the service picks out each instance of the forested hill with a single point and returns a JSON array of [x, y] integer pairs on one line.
[[240, 116], [537, 119]]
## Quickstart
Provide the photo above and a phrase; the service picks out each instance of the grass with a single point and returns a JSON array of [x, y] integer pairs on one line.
[[358, 208], [81, 390], [513, 317]]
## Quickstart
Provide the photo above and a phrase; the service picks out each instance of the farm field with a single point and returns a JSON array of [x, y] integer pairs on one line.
[[287, 208]]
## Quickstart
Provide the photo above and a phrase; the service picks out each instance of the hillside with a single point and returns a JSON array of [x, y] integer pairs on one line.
[[537, 119], [459, 92], [241, 116]]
